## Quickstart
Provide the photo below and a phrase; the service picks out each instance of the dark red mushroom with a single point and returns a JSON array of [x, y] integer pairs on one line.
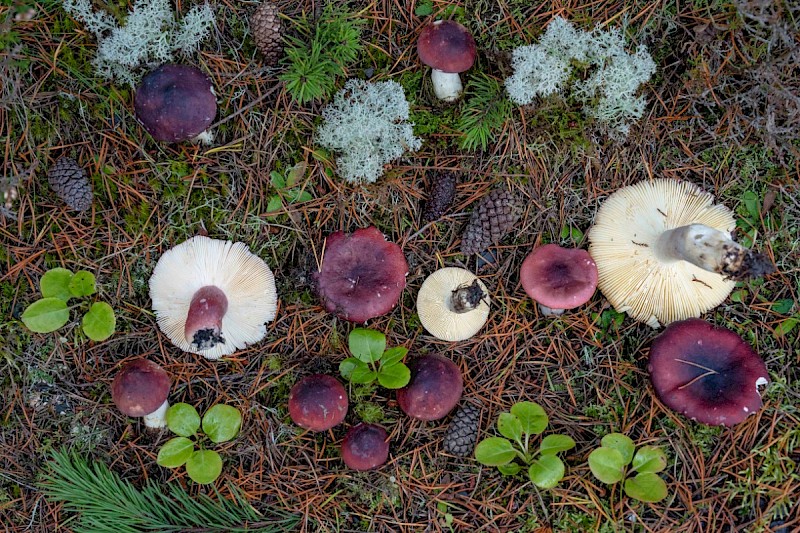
[[709, 374], [141, 388], [366, 446], [318, 402], [434, 390], [362, 274], [175, 103], [448, 48], [558, 278]]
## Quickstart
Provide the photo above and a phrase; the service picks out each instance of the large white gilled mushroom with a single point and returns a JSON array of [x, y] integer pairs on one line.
[[213, 297], [664, 251], [452, 304]]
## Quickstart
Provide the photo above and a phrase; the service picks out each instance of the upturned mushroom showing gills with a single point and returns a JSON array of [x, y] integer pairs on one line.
[[362, 274], [175, 103], [434, 390], [449, 49], [140, 389], [558, 278], [706, 373], [213, 297], [318, 402], [664, 251], [453, 304]]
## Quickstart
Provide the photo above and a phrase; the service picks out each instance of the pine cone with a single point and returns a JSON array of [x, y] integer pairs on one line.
[[441, 195], [463, 431], [265, 24], [70, 183], [494, 216]]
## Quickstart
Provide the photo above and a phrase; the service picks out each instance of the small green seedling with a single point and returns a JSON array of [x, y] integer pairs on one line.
[[372, 360], [221, 423], [545, 469], [58, 286], [287, 190], [615, 460]]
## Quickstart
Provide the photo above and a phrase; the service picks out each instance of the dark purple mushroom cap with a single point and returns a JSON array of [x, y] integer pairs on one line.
[[362, 274], [434, 389], [706, 373], [140, 387], [318, 402], [559, 278], [175, 102], [366, 446], [446, 45]]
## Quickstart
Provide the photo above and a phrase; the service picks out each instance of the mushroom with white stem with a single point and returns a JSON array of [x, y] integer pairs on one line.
[[453, 304], [140, 389], [449, 49], [664, 253]]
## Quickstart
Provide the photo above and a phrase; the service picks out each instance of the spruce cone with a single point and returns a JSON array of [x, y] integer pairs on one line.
[[265, 24], [70, 183], [441, 195], [463, 431], [494, 216]]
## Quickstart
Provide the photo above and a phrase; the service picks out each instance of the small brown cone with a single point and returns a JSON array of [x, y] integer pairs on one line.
[[462, 433], [441, 195], [266, 26], [70, 183], [493, 217]]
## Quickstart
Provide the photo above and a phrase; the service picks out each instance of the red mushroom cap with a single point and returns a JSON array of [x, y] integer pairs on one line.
[[175, 102], [366, 446], [318, 402], [434, 390], [446, 45], [559, 278], [706, 373], [362, 274], [140, 387]]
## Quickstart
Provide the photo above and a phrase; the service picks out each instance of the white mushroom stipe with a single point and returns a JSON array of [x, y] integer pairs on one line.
[[158, 418], [446, 85]]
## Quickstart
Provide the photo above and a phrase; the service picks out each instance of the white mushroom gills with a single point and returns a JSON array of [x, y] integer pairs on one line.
[[440, 315]]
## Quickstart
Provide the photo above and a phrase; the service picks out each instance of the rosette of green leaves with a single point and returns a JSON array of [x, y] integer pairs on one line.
[[615, 460], [221, 423], [371, 360], [526, 419], [51, 312]]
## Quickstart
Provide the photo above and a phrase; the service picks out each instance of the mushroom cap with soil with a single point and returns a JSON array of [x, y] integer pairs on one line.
[[453, 304], [365, 447], [706, 373], [449, 49], [318, 402], [558, 278], [213, 297], [434, 389], [140, 389]]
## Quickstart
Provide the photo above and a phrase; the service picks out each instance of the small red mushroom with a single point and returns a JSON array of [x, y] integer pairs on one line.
[[140, 389], [434, 389], [366, 446], [449, 49], [318, 402], [558, 278]]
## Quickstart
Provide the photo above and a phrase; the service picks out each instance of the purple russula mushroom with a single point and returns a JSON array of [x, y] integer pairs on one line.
[[706, 373], [434, 389], [366, 446], [362, 274], [558, 278], [175, 103], [318, 402], [140, 389], [449, 49]]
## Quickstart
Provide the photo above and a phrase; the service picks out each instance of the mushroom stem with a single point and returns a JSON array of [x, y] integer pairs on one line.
[[550, 311], [466, 298], [446, 85], [712, 250], [158, 418], [204, 321]]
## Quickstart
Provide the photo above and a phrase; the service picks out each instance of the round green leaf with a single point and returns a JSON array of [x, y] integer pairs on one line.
[[394, 376], [55, 283], [646, 487], [222, 423], [623, 444], [546, 471], [510, 469], [46, 315], [99, 322], [394, 355], [183, 420], [509, 426], [347, 366], [607, 465], [532, 416], [649, 459], [552, 444], [204, 466], [363, 374], [494, 451], [366, 344], [175, 452], [82, 284]]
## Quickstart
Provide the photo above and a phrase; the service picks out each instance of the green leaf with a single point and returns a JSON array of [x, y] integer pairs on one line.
[[510, 469], [509, 426], [182, 419], [393, 355], [46, 315], [55, 283], [623, 444], [785, 327], [302, 196], [222, 423], [347, 366], [394, 376], [204, 466], [275, 204], [296, 173], [276, 179], [647, 487], [649, 459], [424, 9], [363, 374], [82, 284], [546, 471], [753, 205], [782, 306], [175, 452], [607, 465], [552, 444], [533, 418], [494, 451], [367, 344], [99, 322]]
